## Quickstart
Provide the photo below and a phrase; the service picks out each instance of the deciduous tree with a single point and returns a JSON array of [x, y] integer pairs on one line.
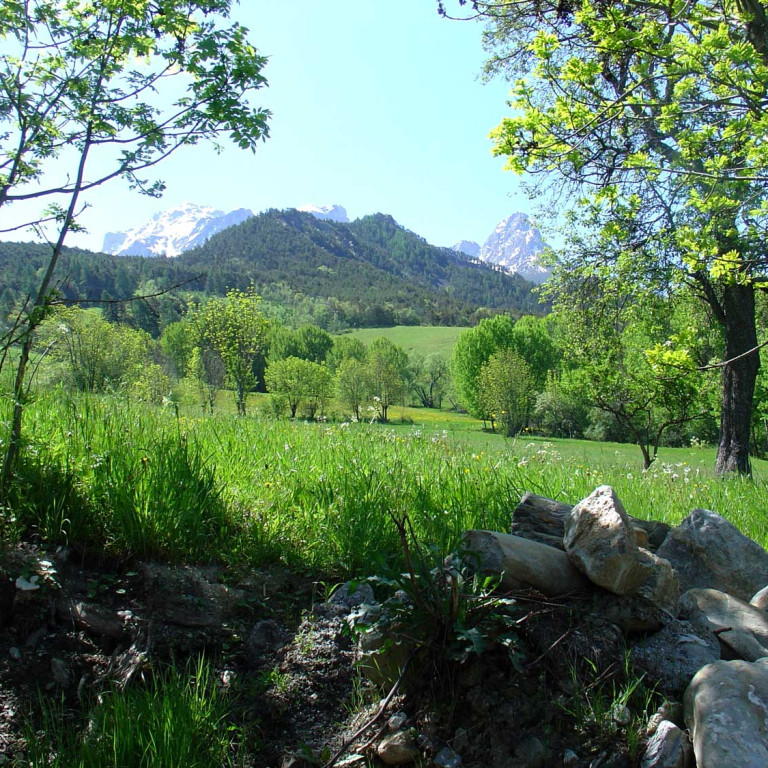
[[652, 117], [93, 91]]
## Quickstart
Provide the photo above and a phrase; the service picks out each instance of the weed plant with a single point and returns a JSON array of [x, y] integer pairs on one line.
[[178, 719], [144, 481]]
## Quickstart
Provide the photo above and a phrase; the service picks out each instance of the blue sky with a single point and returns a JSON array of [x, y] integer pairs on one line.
[[377, 106]]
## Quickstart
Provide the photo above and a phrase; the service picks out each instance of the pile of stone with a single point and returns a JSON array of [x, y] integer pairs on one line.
[[690, 600]]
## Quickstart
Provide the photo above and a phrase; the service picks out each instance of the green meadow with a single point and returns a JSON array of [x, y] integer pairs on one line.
[[422, 339], [159, 482]]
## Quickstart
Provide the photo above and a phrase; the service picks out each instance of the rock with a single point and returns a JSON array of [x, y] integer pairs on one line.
[[726, 710], [669, 747], [669, 710], [352, 594], [94, 619], [543, 520], [532, 753], [447, 758], [760, 599], [672, 657], [61, 672], [397, 721], [265, 636], [739, 626], [662, 587], [398, 748], [632, 614], [601, 543], [709, 552], [522, 562], [570, 758]]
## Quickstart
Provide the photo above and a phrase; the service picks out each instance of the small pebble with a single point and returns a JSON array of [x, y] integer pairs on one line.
[[447, 758]]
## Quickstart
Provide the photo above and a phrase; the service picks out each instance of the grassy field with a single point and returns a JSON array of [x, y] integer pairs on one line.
[[415, 338], [146, 482]]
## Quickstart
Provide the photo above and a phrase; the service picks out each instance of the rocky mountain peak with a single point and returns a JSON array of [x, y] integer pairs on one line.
[[516, 244], [331, 212], [468, 248], [170, 232]]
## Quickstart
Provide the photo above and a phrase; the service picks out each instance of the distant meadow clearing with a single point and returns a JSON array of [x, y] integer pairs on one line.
[[150, 482]]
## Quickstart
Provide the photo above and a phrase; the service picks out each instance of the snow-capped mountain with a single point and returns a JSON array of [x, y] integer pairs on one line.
[[332, 212], [170, 232], [515, 244], [468, 248]]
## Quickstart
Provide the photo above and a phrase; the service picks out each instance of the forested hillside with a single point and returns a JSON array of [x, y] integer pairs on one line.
[[370, 273]]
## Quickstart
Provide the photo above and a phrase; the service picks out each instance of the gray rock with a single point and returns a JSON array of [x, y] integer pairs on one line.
[[61, 672], [522, 562], [447, 758], [672, 657], [265, 637], [352, 594], [662, 587], [760, 599], [709, 552], [669, 747], [532, 753], [542, 519], [726, 710], [398, 748], [739, 626], [601, 542]]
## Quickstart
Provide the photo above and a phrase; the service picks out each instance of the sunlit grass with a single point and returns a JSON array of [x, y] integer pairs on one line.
[[146, 482]]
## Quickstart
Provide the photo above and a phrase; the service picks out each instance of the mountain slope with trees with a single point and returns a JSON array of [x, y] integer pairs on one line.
[[370, 273]]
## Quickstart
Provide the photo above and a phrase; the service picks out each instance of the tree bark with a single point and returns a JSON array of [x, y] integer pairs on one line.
[[739, 377]]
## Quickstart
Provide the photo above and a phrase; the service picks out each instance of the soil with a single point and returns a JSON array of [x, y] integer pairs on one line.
[[71, 626]]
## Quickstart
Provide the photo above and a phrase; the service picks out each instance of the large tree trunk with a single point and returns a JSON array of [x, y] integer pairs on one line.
[[739, 376]]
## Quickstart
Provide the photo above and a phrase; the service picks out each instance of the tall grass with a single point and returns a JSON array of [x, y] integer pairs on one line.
[[146, 482], [177, 720]]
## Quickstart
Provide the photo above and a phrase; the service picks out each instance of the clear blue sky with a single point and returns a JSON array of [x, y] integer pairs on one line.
[[377, 106]]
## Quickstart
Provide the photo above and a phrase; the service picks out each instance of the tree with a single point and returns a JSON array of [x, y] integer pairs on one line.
[[235, 327], [387, 372], [472, 350], [652, 117], [95, 355], [353, 386], [506, 390], [300, 382], [345, 347], [80, 85], [430, 377]]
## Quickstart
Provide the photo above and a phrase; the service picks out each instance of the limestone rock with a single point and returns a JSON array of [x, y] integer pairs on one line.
[[668, 748], [739, 626], [601, 543], [707, 551], [672, 657], [726, 710], [760, 599], [522, 562], [661, 587], [398, 748], [543, 520]]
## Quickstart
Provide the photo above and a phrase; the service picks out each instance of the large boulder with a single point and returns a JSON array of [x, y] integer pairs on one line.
[[726, 710], [602, 543], [522, 562], [709, 552], [740, 627]]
